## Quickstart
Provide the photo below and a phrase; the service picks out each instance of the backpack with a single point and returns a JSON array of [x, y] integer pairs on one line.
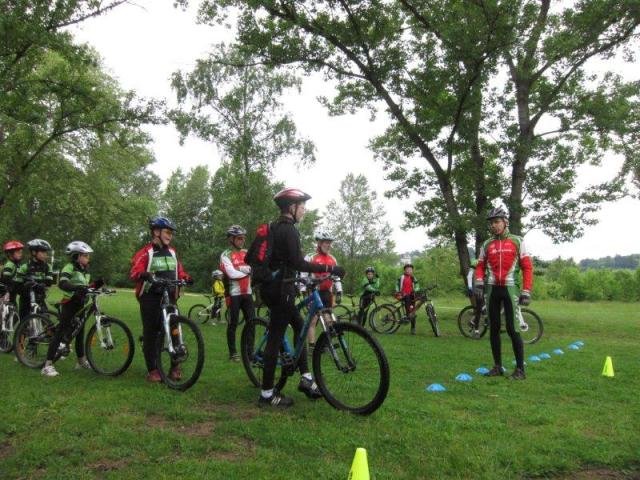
[[259, 255]]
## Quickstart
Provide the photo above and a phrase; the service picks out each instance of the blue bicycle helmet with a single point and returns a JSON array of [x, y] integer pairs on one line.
[[161, 222]]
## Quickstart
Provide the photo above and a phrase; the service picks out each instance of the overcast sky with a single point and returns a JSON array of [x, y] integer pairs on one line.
[[142, 44]]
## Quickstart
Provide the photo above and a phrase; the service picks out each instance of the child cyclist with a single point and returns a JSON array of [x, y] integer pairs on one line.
[[234, 266], [326, 287], [157, 259], [34, 275], [218, 291], [13, 251], [370, 288], [406, 287], [74, 283]]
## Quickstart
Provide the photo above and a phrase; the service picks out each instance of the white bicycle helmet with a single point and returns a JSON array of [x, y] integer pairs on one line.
[[217, 274], [322, 235], [78, 247]]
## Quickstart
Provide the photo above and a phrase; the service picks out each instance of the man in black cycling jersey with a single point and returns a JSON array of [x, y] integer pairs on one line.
[[279, 295]]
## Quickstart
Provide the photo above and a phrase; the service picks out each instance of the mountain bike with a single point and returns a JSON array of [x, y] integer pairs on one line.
[[389, 317], [9, 320], [345, 314], [349, 365], [179, 345], [109, 343], [530, 323], [201, 313], [38, 326]]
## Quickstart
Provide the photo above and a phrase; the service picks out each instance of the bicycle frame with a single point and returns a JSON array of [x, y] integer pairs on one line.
[[169, 310], [314, 304], [81, 317]]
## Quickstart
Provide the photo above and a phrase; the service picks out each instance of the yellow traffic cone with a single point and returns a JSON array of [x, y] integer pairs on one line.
[[607, 371], [359, 467]]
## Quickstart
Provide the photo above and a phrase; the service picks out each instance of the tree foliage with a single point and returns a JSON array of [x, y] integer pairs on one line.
[[238, 107], [54, 100], [488, 101], [356, 222]]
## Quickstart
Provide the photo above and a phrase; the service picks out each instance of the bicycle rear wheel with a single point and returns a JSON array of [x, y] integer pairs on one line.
[[433, 319], [181, 369], [466, 326], [534, 322], [32, 339], [342, 313], [253, 342], [6, 336], [356, 379], [109, 349], [383, 319], [199, 313]]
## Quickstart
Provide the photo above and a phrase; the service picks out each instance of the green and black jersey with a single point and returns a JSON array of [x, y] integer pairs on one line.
[[8, 277], [34, 270], [73, 276]]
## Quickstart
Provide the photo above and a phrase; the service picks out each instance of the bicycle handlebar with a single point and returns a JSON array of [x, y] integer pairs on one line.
[[165, 282], [101, 291]]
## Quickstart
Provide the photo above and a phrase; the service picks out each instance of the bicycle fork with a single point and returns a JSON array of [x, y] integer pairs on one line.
[[177, 333], [327, 321], [106, 341], [5, 314]]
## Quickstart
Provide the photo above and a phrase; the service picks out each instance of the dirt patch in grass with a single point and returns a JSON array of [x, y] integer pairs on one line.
[[231, 410], [6, 450], [200, 429], [157, 421], [240, 450], [602, 474], [109, 465]]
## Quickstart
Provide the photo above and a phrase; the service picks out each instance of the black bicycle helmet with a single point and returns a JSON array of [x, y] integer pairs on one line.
[[370, 269], [161, 222]]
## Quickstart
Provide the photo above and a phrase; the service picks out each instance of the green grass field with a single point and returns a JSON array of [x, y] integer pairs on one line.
[[564, 421]]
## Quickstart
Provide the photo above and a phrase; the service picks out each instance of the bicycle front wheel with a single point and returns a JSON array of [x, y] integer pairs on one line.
[[342, 313], [32, 339], [466, 325], [351, 369], [180, 368], [534, 324], [6, 336], [383, 319], [433, 319], [199, 313], [109, 348]]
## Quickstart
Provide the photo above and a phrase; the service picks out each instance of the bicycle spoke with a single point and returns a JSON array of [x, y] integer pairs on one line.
[[110, 348], [181, 368], [351, 369]]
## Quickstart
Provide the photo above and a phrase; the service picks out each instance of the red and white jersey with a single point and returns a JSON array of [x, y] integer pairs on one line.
[[234, 266], [500, 261], [320, 258]]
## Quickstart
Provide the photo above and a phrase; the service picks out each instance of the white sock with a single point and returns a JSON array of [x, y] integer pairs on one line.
[[307, 376], [267, 393]]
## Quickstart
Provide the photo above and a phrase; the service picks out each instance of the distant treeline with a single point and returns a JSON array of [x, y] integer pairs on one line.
[[557, 279], [630, 262]]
